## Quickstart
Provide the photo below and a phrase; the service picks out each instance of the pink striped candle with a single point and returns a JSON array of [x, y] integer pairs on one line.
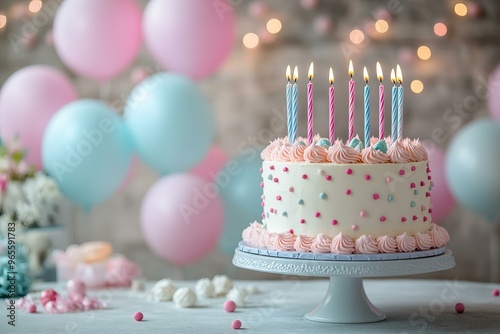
[[351, 102], [381, 103], [310, 130], [331, 105]]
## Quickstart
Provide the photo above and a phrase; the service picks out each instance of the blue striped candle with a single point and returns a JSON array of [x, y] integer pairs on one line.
[[367, 108], [295, 106], [394, 108], [399, 76]]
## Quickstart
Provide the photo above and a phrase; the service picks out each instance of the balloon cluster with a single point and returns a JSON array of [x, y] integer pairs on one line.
[[88, 148]]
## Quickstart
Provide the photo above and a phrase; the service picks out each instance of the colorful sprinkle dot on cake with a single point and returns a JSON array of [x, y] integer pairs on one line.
[[304, 176], [291, 189], [271, 210], [354, 227], [388, 179], [300, 201], [412, 204], [402, 172], [425, 218], [415, 192], [321, 172], [382, 218], [328, 177], [275, 180], [429, 177], [412, 185], [363, 214], [428, 170], [284, 214], [262, 203], [430, 210], [403, 219], [422, 183], [263, 215], [390, 198], [413, 168], [348, 171], [427, 194], [348, 192], [423, 208], [270, 176], [278, 198], [285, 169], [302, 221], [262, 184], [335, 222], [415, 217], [317, 214], [261, 170], [368, 177], [323, 196], [290, 231], [376, 196], [271, 167]]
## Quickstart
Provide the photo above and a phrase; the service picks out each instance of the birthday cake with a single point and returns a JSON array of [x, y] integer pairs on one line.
[[345, 199]]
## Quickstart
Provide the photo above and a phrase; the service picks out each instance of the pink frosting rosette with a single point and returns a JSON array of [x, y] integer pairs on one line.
[[321, 244], [303, 243], [439, 235], [398, 153], [284, 242], [342, 244], [297, 152], [366, 244], [372, 156], [386, 244], [315, 154], [416, 150], [424, 241], [342, 154], [406, 243]]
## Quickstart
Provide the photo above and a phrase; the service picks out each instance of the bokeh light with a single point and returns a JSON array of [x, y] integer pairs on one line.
[[460, 9], [273, 26], [3, 21], [382, 26], [424, 52], [440, 29], [35, 6], [417, 86], [356, 36], [251, 40]]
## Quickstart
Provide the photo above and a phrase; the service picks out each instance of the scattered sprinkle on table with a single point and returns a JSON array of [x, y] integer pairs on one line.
[[459, 307], [236, 324], [138, 316], [229, 306]]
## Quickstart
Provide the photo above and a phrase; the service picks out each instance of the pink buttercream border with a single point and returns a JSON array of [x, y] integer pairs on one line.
[[256, 235]]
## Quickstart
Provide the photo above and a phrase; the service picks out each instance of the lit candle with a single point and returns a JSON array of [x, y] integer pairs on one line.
[[381, 103], [289, 102], [399, 76], [394, 108], [331, 105], [310, 130], [351, 102], [367, 107], [295, 106]]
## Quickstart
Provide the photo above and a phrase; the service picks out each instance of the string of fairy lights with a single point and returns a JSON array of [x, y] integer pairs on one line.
[[379, 26]]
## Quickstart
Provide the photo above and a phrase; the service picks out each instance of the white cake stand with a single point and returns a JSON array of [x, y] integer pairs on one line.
[[345, 300]]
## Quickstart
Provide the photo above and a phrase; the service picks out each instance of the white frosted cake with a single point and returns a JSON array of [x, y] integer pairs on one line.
[[346, 199]]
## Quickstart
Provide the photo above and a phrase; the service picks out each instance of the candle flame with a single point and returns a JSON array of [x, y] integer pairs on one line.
[[311, 71], [351, 69], [399, 75], [331, 78], [288, 73], [393, 76], [380, 75], [295, 74], [365, 75]]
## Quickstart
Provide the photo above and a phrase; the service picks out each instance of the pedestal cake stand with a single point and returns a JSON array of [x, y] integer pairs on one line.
[[346, 300]]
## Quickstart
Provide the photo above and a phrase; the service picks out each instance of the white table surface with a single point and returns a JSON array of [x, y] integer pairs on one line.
[[412, 306]]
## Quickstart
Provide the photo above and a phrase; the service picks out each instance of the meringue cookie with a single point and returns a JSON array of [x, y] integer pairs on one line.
[[205, 288], [237, 295], [184, 297], [163, 290], [222, 284]]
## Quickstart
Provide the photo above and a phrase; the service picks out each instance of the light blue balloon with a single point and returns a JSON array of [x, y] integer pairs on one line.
[[240, 191], [87, 150], [472, 167], [170, 121]]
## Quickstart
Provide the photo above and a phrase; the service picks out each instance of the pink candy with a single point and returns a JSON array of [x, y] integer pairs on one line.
[[495, 292], [138, 316], [459, 307], [32, 308], [229, 306], [76, 289], [47, 296], [236, 324]]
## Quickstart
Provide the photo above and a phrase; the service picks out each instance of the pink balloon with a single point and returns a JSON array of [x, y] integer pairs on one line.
[[28, 100], [191, 37], [98, 39], [211, 164], [442, 200], [182, 218], [492, 91]]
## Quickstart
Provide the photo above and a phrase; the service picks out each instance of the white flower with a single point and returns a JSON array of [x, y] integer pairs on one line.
[[41, 190], [27, 213], [13, 196]]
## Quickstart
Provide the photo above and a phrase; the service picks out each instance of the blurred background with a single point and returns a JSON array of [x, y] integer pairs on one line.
[[224, 99]]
